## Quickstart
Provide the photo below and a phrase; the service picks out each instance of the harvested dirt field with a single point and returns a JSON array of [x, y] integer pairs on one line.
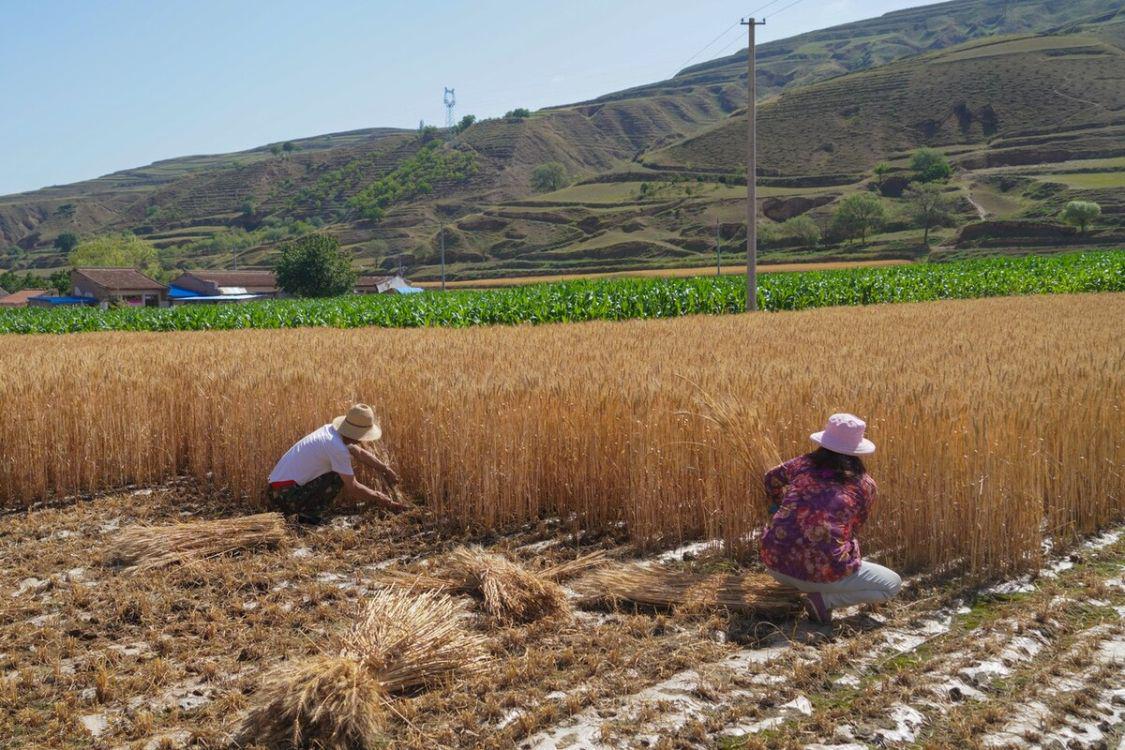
[[92, 656]]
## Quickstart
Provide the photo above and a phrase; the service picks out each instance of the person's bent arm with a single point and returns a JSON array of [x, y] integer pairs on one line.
[[369, 459], [360, 492], [776, 480]]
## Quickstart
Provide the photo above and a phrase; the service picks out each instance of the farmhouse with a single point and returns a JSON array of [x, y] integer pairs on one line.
[[126, 286], [223, 286], [20, 298], [383, 285]]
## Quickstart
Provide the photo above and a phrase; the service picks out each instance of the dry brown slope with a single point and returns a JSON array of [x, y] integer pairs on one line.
[[1067, 87]]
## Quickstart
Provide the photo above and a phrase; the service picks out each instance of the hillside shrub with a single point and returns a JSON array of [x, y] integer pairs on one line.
[[66, 242], [520, 113], [466, 122], [858, 215], [1081, 214], [416, 176], [930, 165], [315, 266], [547, 178], [929, 207], [804, 231]]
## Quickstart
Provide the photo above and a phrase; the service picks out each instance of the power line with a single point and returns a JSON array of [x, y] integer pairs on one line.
[[725, 32], [787, 7], [706, 46], [754, 13], [737, 39]]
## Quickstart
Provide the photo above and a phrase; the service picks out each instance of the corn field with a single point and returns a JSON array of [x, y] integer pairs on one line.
[[616, 299], [998, 421]]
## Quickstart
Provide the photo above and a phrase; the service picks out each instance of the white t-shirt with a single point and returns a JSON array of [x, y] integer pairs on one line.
[[312, 456]]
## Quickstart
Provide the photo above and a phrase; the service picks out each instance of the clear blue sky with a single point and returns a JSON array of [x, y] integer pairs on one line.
[[89, 87]]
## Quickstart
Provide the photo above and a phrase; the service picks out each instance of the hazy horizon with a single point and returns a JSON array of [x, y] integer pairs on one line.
[[97, 89]]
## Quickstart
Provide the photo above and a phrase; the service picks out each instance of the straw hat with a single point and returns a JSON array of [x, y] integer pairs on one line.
[[844, 434], [358, 424]]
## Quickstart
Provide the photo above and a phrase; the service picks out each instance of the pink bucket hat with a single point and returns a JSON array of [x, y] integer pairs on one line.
[[844, 434]]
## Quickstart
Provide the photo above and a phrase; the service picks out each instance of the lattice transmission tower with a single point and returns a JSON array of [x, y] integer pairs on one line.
[[450, 100]]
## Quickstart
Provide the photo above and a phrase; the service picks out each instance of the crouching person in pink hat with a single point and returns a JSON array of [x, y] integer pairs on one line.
[[818, 503], [311, 474]]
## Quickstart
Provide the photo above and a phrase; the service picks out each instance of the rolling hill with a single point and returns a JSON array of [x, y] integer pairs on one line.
[[1000, 86]]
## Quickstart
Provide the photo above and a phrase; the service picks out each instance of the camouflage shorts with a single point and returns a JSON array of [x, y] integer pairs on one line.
[[309, 502]]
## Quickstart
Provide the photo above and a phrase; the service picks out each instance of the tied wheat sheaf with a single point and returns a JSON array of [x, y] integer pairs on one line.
[[997, 420], [142, 547], [660, 587], [403, 642], [508, 591]]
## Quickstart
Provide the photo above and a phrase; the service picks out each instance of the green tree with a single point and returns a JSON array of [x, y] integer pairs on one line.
[[60, 282], [249, 208], [930, 207], [66, 241], [10, 282], [466, 122], [857, 215], [1081, 214], [315, 266], [289, 147], [881, 169], [519, 113], [930, 165], [548, 177], [117, 250], [803, 229], [275, 149]]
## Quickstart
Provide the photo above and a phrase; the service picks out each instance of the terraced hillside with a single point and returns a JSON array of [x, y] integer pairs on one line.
[[655, 170], [1023, 100]]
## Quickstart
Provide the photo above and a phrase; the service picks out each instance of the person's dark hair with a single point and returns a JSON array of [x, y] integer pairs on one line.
[[846, 467]]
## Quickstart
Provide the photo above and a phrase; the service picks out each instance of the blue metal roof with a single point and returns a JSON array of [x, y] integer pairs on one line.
[[65, 300], [178, 293]]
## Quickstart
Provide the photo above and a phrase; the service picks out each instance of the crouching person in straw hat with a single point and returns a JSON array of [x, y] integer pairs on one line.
[[311, 474], [819, 501]]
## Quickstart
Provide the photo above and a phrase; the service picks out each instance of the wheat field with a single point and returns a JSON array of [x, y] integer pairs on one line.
[[998, 421]]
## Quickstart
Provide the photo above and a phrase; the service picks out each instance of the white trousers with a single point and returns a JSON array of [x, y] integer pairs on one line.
[[871, 583]]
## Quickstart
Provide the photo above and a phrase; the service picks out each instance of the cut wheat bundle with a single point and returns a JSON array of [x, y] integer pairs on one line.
[[507, 590], [411, 640], [144, 547], [404, 641], [571, 568], [327, 702], [662, 587]]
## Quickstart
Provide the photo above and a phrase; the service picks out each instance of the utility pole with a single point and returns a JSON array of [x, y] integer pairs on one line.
[[443, 257], [752, 168]]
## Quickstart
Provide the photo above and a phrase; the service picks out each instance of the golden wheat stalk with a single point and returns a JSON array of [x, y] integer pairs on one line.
[[978, 459], [145, 547]]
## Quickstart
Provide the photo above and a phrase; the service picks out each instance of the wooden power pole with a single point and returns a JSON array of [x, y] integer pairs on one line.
[[752, 168]]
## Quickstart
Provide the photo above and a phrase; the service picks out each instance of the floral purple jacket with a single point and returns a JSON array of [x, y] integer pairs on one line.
[[811, 536]]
